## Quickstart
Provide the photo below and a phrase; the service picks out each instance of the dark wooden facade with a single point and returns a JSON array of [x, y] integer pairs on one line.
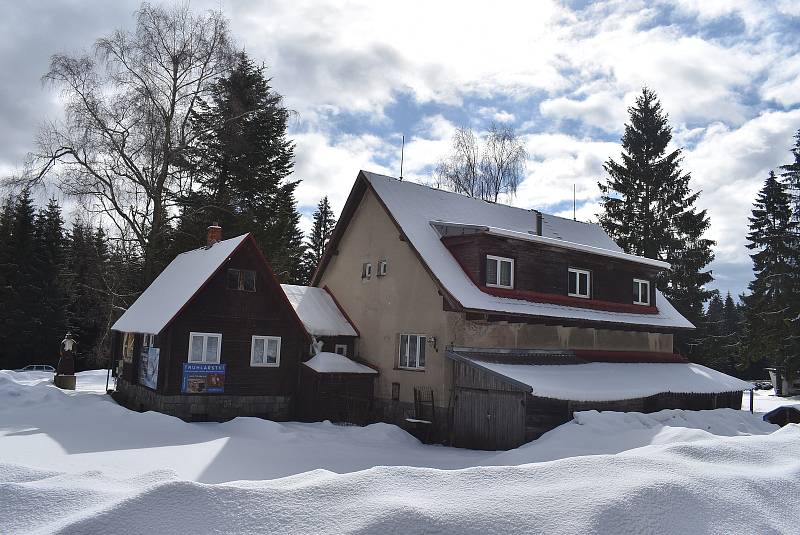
[[543, 269], [238, 316], [338, 397]]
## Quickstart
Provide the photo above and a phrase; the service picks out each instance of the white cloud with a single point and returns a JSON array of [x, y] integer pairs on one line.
[[605, 110], [493, 114]]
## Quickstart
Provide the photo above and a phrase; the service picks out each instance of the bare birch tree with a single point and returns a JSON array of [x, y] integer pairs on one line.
[[486, 173], [126, 125]]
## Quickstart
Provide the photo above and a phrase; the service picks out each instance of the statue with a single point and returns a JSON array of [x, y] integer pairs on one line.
[[316, 346], [65, 372]]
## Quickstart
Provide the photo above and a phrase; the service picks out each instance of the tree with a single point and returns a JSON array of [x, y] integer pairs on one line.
[[648, 207], [240, 165], [127, 119], [771, 309], [485, 173], [321, 232], [791, 176]]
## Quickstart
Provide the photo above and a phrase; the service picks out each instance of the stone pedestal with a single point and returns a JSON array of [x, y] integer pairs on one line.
[[65, 382]]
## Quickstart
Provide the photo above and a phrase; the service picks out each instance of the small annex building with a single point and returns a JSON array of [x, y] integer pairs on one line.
[[215, 336]]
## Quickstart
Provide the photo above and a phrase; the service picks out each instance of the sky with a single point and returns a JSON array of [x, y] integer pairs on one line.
[[361, 74]]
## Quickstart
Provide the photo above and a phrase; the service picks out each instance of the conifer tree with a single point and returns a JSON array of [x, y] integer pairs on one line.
[[51, 309], [648, 207], [791, 176], [321, 231], [6, 225], [241, 166], [771, 308]]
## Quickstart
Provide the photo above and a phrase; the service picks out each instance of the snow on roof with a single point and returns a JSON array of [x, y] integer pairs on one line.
[[318, 311], [416, 208], [604, 381], [174, 287], [336, 363]]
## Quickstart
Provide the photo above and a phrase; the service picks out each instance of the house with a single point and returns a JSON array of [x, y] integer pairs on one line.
[[507, 319], [215, 336]]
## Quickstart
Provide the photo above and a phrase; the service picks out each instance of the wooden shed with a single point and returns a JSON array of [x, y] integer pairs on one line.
[[503, 398], [336, 388]]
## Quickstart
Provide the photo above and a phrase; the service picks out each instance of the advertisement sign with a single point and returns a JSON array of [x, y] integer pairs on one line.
[[201, 378], [148, 367]]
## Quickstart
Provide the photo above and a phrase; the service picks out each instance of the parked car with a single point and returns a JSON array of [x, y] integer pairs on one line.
[[37, 368], [762, 385]]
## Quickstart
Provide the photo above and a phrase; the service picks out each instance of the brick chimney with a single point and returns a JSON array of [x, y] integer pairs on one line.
[[538, 222], [214, 234]]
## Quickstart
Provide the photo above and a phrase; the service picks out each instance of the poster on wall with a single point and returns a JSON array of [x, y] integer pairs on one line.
[[127, 347], [148, 367], [203, 378]]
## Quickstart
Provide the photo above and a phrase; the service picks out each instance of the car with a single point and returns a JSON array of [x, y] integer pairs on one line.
[[37, 368]]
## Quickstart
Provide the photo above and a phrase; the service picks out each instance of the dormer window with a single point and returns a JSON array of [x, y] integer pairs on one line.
[[580, 282], [641, 292], [499, 272]]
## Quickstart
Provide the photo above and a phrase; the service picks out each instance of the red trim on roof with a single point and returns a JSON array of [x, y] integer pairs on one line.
[[578, 302], [600, 355]]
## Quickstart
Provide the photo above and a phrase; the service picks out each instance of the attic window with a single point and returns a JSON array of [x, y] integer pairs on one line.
[[641, 292], [242, 279], [366, 270], [499, 272], [580, 282]]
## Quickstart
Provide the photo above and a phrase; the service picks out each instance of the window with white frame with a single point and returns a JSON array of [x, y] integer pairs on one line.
[[412, 351], [204, 347], [580, 283], [499, 272], [265, 351], [341, 349], [641, 292]]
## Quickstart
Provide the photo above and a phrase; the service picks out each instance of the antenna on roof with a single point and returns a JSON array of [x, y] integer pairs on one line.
[[402, 150], [573, 203]]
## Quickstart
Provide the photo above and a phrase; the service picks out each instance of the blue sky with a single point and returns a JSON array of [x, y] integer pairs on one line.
[[361, 74]]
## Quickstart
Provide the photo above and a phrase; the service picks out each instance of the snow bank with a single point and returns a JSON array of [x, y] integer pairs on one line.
[[76, 462], [723, 485], [335, 363]]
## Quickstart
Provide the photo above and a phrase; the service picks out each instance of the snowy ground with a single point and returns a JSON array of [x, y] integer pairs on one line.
[[766, 400], [75, 462]]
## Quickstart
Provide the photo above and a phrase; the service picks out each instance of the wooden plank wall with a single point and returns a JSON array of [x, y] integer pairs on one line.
[[541, 268]]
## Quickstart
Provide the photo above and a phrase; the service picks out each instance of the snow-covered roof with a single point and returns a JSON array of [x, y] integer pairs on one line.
[[318, 311], [174, 287], [336, 363], [605, 381], [417, 208]]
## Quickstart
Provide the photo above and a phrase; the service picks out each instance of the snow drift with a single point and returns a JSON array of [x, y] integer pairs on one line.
[[75, 462]]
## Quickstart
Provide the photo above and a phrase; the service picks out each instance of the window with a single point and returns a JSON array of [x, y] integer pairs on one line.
[[265, 351], [366, 270], [641, 292], [204, 347], [341, 349], [149, 340], [382, 268], [499, 272], [412, 351], [580, 282], [242, 279]]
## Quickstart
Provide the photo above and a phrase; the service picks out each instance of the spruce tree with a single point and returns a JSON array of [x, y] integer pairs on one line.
[[791, 176], [241, 165], [6, 305], [648, 207], [771, 308], [321, 231], [51, 313]]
